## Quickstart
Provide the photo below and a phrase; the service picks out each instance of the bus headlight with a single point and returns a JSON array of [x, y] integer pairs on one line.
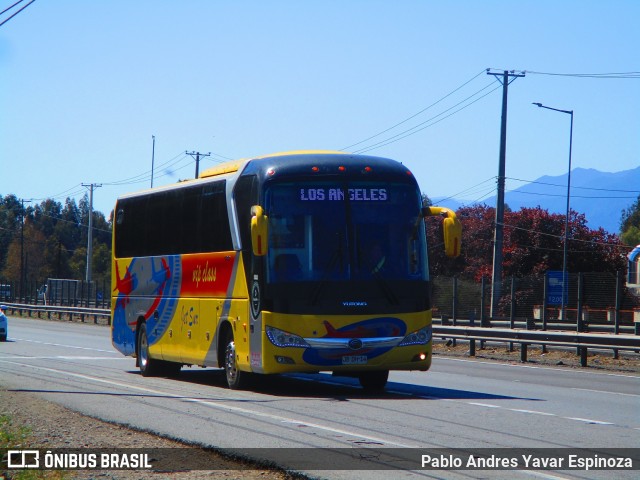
[[419, 337], [280, 338]]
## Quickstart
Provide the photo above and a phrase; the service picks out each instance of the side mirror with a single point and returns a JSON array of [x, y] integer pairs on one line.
[[451, 228], [258, 231]]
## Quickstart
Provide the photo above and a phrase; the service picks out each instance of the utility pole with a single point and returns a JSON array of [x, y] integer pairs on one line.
[[197, 157], [22, 262], [91, 187], [153, 154], [496, 278]]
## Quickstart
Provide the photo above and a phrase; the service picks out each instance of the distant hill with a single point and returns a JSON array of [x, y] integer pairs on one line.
[[601, 196]]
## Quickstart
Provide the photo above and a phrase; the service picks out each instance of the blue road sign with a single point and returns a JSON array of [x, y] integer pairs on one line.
[[554, 287]]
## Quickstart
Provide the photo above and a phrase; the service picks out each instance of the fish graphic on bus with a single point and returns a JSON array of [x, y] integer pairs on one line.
[[362, 330], [370, 328]]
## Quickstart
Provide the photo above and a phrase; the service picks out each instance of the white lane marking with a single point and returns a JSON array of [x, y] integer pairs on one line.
[[541, 367], [61, 345], [297, 422], [219, 406], [517, 410], [488, 405], [62, 357], [534, 412], [588, 420], [605, 392]]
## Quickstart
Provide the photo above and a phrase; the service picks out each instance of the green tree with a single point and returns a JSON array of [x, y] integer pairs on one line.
[[10, 218], [55, 240], [630, 224], [78, 263]]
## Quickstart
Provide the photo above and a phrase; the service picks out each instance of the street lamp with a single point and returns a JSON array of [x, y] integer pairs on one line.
[[566, 220]]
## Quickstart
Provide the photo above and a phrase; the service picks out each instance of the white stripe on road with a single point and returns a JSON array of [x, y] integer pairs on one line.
[[517, 410], [219, 406], [534, 412], [62, 357], [588, 420], [605, 392], [61, 345]]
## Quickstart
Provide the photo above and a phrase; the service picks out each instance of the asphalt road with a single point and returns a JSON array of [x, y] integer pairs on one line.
[[459, 404]]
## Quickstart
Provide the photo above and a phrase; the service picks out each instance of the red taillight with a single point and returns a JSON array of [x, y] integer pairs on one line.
[[315, 169], [342, 168]]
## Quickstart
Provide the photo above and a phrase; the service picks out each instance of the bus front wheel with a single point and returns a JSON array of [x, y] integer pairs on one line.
[[374, 381], [236, 378]]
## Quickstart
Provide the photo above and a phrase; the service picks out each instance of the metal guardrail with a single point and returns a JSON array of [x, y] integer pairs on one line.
[[533, 324], [50, 311], [581, 341]]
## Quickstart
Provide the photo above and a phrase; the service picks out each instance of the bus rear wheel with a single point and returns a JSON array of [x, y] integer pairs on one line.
[[149, 367], [374, 381], [236, 378]]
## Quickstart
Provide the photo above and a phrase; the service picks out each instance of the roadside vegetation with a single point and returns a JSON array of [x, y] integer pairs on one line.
[[14, 436]]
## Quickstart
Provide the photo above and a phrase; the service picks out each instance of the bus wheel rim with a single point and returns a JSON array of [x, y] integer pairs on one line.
[[144, 354], [231, 362]]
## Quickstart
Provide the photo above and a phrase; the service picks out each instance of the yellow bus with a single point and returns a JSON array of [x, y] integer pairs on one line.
[[292, 262]]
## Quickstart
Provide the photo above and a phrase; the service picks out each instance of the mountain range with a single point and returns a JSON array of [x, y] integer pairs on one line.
[[601, 196]]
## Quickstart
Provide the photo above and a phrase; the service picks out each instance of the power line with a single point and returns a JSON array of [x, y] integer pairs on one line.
[[414, 115], [143, 177], [594, 242], [574, 187], [409, 132], [7, 9], [564, 195], [77, 224], [467, 190], [590, 75]]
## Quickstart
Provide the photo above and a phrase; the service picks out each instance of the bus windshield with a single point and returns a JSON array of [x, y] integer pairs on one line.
[[339, 231]]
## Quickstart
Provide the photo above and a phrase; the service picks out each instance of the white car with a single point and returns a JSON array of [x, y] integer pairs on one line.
[[4, 324]]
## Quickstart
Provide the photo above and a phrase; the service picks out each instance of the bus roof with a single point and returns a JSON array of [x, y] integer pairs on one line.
[[234, 165], [298, 163], [301, 162]]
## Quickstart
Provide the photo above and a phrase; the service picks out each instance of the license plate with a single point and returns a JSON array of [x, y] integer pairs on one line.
[[354, 360]]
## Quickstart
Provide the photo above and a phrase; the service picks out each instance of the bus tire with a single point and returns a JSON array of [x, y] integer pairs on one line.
[[374, 381], [149, 367], [236, 378]]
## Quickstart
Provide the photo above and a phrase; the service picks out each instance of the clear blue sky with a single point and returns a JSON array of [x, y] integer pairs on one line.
[[85, 85]]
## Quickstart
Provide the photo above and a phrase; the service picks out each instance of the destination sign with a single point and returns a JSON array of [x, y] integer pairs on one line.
[[337, 194]]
